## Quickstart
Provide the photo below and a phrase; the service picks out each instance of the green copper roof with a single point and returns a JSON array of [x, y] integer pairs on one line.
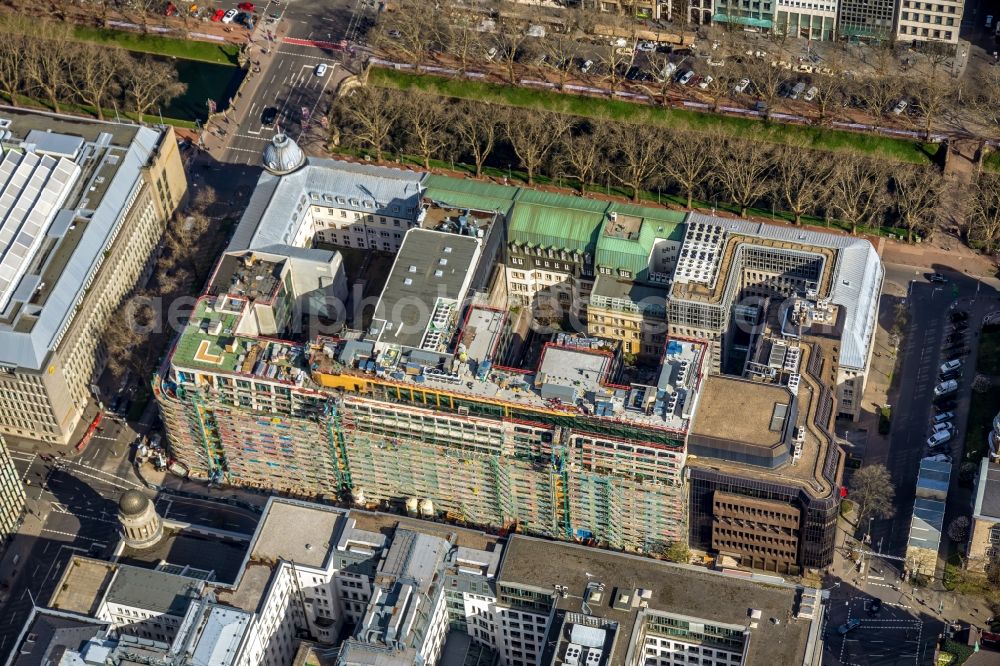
[[561, 221], [466, 193]]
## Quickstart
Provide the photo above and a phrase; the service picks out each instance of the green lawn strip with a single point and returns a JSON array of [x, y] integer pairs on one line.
[[610, 109], [992, 161], [218, 52], [982, 408], [87, 110], [988, 360]]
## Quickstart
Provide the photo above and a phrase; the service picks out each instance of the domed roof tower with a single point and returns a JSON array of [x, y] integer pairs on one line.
[[283, 156], [141, 526]]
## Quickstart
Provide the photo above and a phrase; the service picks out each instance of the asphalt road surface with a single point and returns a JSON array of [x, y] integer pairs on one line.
[[76, 500], [895, 636]]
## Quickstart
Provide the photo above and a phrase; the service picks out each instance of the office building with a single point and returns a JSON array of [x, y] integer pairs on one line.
[[83, 205], [752, 15], [356, 587], [740, 283], [870, 21], [808, 19], [764, 488], [547, 437], [552, 349], [930, 23], [983, 549], [11, 496]]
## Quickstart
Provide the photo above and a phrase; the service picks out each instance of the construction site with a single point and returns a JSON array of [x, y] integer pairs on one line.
[[448, 400]]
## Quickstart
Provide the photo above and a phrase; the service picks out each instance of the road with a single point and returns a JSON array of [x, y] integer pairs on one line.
[[920, 357], [294, 40], [73, 510], [898, 635]]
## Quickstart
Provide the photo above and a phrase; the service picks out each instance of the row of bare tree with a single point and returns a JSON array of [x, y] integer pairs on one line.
[[40, 60], [860, 190], [131, 336], [489, 31]]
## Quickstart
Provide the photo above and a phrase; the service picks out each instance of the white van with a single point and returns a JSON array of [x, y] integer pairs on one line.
[[938, 438], [810, 94], [954, 364], [944, 388]]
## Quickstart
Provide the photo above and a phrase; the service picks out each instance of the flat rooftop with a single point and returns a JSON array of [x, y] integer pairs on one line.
[[482, 333], [64, 184], [82, 585], [579, 371], [152, 590], [676, 589], [851, 276], [814, 471], [987, 504], [51, 634], [420, 302], [298, 532], [386, 524], [189, 550], [737, 409]]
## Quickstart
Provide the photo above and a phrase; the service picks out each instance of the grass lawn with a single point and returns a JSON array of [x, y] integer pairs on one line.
[[594, 107], [992, 161], [87, 110], [988, 361], [190, 49], [982, 409]]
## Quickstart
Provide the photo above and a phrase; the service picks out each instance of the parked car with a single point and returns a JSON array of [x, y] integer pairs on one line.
[[492, 53], [246, 6], [321, 69], [797, 90], [810, 94], [706, 82], [618, 42], [585, 67], [951, 365], [940, 427], [938, 278], [954, 374], [229, 16], [170, 10], [850, 625], [939, 438], [900, 107], [875, 605], [686, 77], [217, 16], [742, 85], [646, 47], [946, 387], [942, 417], [667, 71], [268, 117]]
